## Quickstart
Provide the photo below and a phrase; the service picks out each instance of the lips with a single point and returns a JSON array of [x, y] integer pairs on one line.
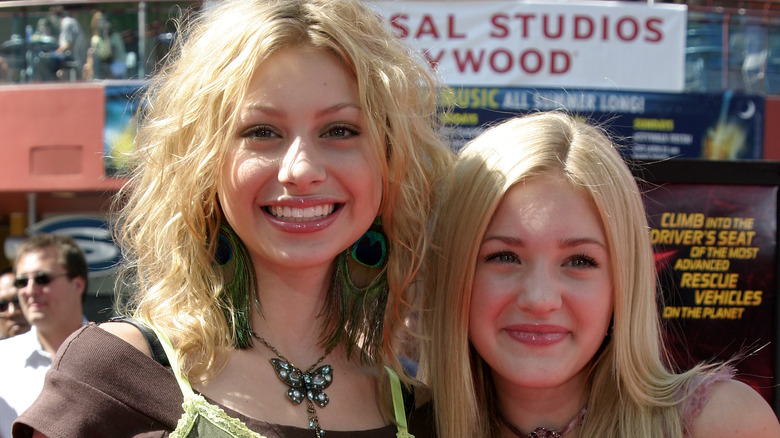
[[35, 305], [537, 335], [301, 214], [312, 217]]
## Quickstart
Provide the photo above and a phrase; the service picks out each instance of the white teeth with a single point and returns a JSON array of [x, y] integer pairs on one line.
[[302, 214]]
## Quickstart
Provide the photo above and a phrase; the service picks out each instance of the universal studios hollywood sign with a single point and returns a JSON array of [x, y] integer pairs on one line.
[[588, 44]]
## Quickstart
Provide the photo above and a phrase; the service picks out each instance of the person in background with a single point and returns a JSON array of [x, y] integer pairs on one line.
[[117, 68], [44, 31], [288, 159], [99, 52], [12, 321], [71, 51], [106, 54], [542, 319], [51, 279]]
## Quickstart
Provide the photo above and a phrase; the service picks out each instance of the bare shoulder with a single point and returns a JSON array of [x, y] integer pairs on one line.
[[128, 333], [736, 409]]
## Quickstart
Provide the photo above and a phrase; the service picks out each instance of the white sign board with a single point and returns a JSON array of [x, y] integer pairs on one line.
[[589, 44]]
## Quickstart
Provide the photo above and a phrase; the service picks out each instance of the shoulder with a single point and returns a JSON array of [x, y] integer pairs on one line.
[[735, 409], [100, 383], [25, 338], [19, 343], [128, 333], [94, 351], [22, 352]]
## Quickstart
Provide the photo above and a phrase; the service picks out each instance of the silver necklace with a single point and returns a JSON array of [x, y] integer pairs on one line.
[[308, 384], [543, 432]]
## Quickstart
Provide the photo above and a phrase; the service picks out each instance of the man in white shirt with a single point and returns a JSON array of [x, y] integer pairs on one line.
[[51, 278]]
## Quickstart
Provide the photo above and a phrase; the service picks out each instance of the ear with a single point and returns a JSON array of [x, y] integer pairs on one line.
[[80, 284]]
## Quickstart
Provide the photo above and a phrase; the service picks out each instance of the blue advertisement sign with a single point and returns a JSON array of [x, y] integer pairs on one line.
[[91, 233], [652, 126]]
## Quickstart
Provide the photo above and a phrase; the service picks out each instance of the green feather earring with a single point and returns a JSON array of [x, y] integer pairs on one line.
[[359, 294], [232, 259]]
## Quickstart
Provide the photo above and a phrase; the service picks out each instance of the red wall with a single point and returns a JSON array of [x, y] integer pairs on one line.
[[51, 140], [51, 137]]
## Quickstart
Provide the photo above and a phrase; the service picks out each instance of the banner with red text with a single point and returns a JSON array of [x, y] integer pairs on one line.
[[715, 248], [598, 44]]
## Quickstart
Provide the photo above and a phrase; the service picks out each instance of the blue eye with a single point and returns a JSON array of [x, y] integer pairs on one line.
[[502, 257], [583, 261]]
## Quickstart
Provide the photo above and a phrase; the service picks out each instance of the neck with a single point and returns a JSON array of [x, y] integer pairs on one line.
[[52, 338], [530, 408], [305, 287], [290, 317]]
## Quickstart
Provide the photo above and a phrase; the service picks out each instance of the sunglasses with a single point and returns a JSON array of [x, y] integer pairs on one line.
[[4, 304], [41, 279]]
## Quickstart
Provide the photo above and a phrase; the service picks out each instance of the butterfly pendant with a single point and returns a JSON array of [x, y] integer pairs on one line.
[[304, 385]]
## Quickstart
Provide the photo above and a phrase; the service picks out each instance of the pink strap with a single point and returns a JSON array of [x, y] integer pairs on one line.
[[698, 398]]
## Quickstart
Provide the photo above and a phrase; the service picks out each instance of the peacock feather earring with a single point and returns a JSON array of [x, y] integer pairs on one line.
[[232, 259], [359, 293], [371, 249]]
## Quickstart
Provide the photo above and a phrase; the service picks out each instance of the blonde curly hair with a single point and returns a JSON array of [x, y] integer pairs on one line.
[[170, 214]]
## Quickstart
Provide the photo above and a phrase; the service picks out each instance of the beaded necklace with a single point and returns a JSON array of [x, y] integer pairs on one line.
[[543, 432]]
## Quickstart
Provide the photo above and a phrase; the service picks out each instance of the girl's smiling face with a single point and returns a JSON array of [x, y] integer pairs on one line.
[[301, 182], [542, 297]]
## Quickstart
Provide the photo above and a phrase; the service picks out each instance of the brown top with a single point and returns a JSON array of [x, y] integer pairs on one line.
[[99, 386]]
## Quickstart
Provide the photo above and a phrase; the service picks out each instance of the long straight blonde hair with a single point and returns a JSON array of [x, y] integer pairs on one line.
[[633, 392]]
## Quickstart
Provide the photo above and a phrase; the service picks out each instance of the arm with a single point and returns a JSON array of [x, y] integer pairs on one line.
[[735, 409], [99, 384]]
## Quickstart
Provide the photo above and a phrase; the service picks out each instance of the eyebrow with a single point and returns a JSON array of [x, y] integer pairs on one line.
[[564, 243], [276, 112], [582, 241]]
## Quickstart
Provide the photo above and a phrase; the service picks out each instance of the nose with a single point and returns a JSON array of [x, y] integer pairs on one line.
[[13, 307], [301, 166], [539, 292]]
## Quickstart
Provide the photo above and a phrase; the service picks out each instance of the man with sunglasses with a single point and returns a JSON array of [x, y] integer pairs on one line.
[[51, 277], [12, 321]]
